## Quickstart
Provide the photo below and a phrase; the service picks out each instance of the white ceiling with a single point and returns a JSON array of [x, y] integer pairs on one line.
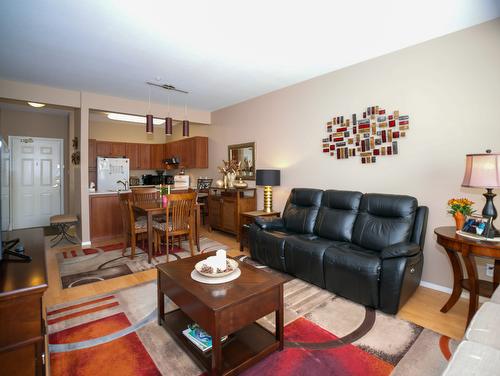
[[223, 52]]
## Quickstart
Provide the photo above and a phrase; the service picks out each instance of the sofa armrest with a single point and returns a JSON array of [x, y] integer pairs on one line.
[[400, 250], [266, 223]]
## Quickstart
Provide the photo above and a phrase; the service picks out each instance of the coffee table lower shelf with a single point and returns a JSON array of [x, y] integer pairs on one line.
[[241, 350]]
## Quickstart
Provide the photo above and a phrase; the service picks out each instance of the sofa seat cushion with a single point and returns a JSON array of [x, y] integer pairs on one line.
[[270, 250], [304, 257], [471, 358], [353, 272], [484, 326]]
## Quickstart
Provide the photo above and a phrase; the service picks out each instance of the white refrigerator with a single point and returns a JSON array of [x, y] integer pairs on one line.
[[110, 172]]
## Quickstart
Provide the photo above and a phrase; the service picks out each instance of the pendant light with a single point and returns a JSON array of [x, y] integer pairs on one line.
[[168, 121], [185, 124], [149, 117]]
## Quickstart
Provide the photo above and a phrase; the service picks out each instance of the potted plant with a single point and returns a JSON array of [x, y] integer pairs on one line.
[[459, 208]]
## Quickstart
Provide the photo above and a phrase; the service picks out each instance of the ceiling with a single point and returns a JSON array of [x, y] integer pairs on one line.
[[222, 52]]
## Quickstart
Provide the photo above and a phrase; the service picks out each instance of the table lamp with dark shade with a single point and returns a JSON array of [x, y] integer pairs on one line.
[[268, 178], [483, 171]]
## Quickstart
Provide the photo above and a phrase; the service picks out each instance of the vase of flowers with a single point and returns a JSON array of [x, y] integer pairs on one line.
[[229, 172], [164, 191], [459, 208]]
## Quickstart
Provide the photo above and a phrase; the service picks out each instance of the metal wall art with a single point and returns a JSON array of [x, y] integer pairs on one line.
[[375, 134]]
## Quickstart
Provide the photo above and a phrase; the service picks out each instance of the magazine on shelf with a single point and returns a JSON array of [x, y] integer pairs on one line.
[[199, 337]]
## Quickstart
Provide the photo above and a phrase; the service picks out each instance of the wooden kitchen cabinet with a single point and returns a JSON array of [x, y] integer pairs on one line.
[[226, 205], [132, 153], [144, 156], [157, 156], [105, 217], [118, 149], [192, 152], [103, 149]]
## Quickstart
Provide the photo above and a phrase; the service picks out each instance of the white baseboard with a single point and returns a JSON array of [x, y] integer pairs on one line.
[[434, 286], [86, 244]]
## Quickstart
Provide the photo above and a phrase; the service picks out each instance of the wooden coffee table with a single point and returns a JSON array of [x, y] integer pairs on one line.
[[224, 309]]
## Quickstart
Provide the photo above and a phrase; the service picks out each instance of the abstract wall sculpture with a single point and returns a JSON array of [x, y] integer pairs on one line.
[[375, 134]]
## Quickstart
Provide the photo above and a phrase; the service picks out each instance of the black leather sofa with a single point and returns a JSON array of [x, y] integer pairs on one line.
[[364, 247]]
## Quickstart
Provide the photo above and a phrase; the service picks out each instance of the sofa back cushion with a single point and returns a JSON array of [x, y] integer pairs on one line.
[[384, 220], [337, 214], [301, 210]]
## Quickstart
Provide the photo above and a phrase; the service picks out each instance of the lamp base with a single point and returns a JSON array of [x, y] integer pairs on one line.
[[268, 199], [489, 210]]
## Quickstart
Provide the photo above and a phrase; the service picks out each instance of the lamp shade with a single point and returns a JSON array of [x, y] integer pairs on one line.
[[482, 171], [267, 177]]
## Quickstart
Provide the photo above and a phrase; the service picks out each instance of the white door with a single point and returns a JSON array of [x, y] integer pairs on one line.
[[37, 182]]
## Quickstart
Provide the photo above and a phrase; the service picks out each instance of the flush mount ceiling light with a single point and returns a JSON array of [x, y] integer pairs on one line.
[[36, 105], [133, 118]]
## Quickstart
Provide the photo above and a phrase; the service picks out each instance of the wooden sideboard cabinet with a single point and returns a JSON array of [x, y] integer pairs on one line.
[[22, 326], [226, 205]]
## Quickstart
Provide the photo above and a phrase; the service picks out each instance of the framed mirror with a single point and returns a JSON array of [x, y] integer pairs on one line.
[[244, 153]]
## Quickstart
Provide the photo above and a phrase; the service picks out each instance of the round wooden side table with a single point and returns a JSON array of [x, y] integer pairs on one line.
[[454, 245]]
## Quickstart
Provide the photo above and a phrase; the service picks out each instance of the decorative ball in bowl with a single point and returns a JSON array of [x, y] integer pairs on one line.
[[208, 271]]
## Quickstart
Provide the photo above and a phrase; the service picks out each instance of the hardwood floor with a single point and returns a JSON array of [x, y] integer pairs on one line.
[[422, 309]]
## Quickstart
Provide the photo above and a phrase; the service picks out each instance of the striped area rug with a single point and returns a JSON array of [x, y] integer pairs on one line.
[[117, 334], [82, 266]]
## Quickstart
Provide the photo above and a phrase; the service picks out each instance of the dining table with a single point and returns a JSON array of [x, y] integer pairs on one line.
[[152, 208]]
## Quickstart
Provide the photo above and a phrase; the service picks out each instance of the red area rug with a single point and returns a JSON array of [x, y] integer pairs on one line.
[[123, 356], [344, 360]]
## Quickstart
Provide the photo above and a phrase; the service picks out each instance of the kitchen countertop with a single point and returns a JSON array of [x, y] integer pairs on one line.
[[134, 186]]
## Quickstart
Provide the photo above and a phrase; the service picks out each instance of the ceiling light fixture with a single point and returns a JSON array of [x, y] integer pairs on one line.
[[149, 117], [185, 124], [36, 105], [133, 118], [168, 120]]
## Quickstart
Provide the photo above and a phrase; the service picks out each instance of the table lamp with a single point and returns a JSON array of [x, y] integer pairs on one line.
[[483, 171], [268, 178]]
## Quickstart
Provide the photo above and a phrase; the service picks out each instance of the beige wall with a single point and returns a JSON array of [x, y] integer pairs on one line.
[[121, 131], [450, 89], [37, 124]]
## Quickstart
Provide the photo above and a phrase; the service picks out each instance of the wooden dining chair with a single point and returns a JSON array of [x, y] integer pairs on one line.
[[180, 216], [133, 229], [145, 195]]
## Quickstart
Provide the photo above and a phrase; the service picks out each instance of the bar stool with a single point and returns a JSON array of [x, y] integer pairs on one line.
[[63, 223]]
